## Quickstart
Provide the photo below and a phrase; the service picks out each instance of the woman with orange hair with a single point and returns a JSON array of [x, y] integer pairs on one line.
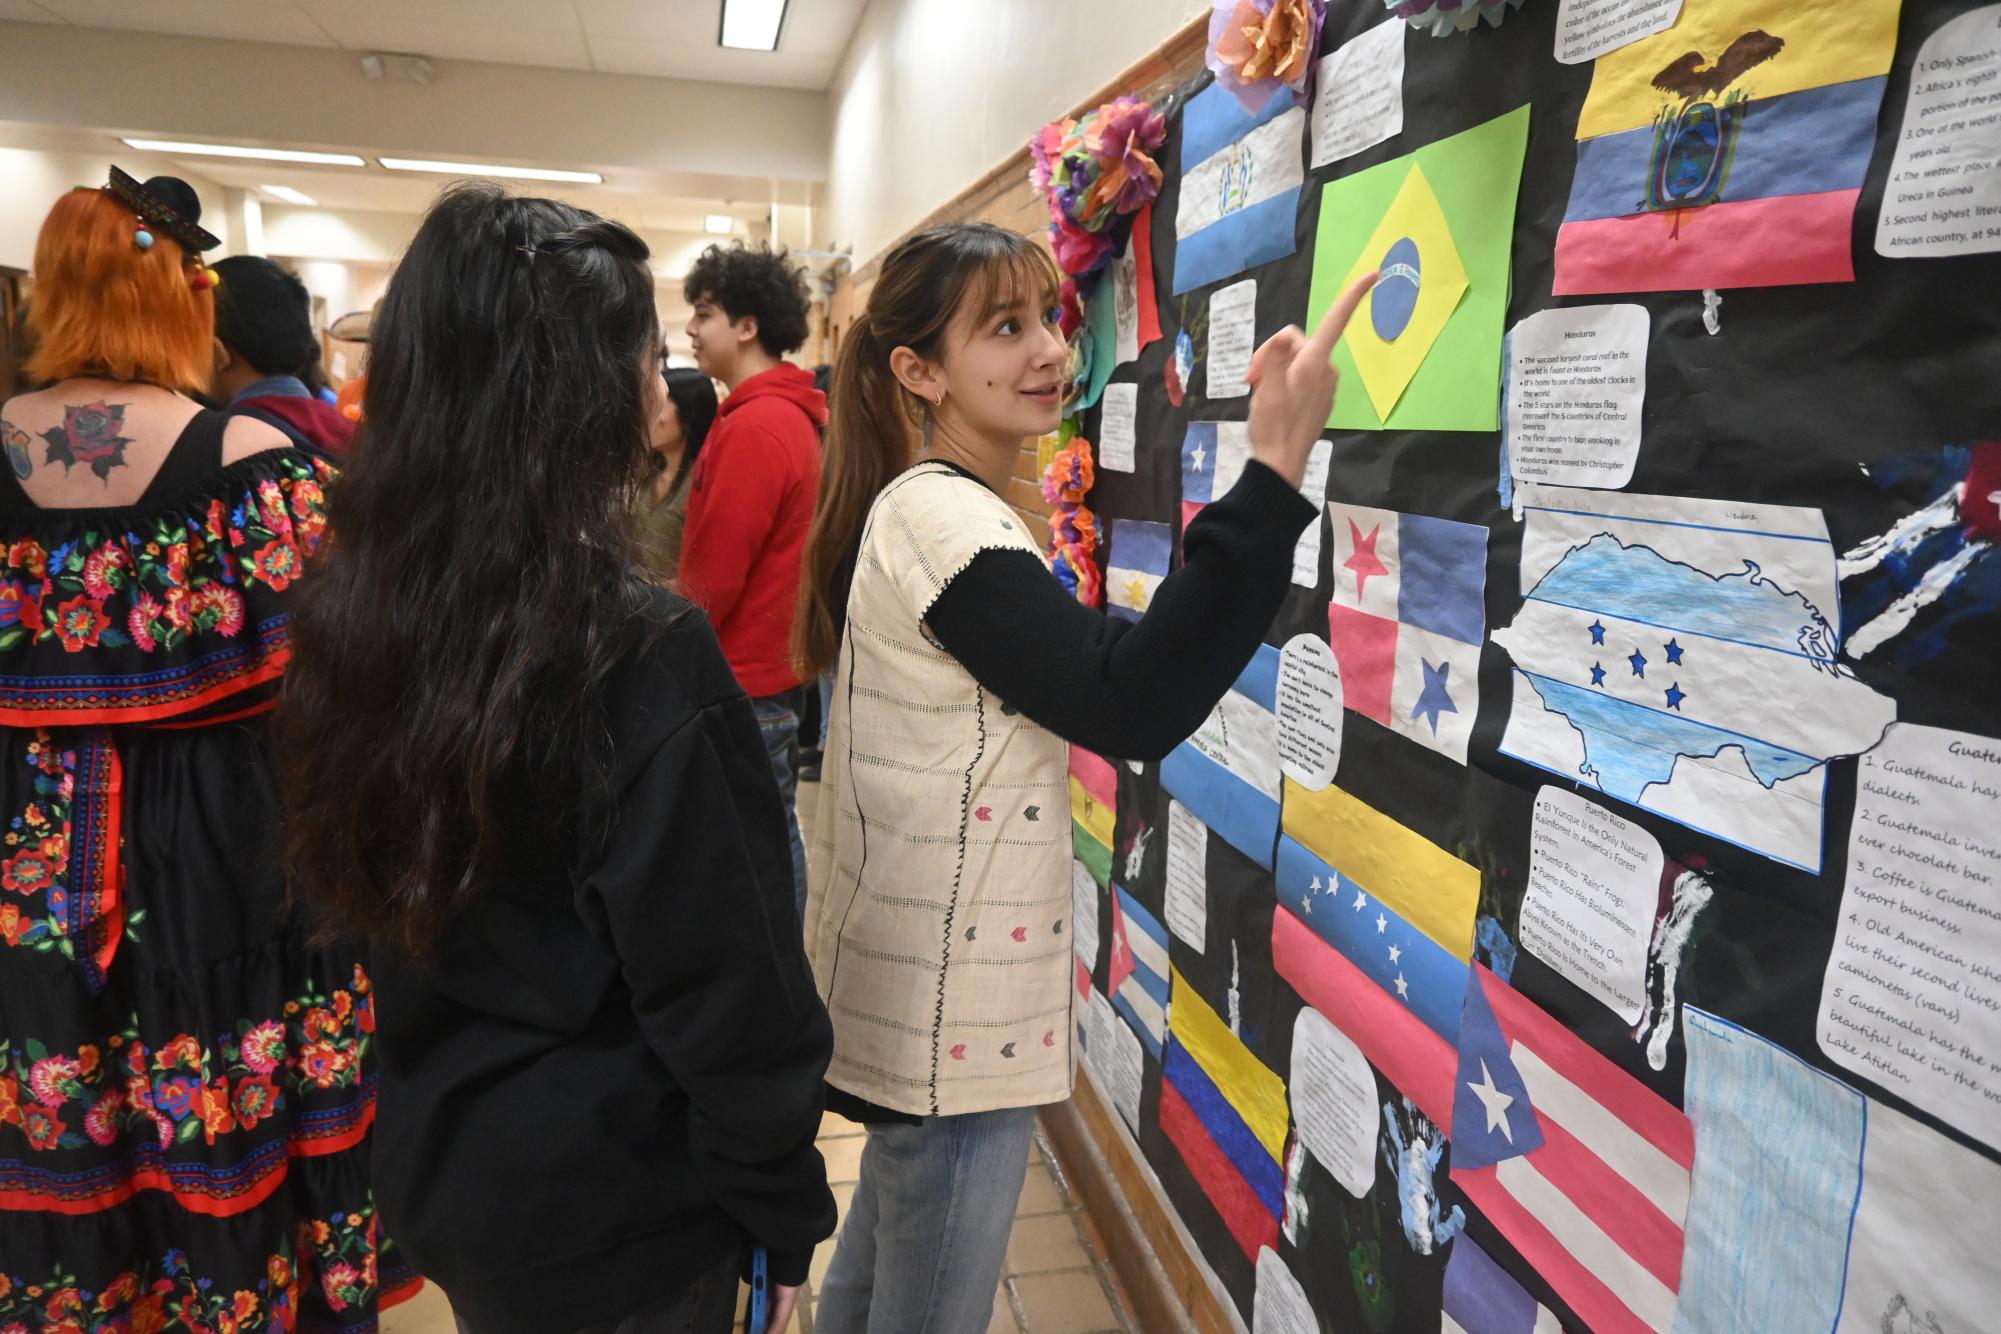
[[186, 1083]]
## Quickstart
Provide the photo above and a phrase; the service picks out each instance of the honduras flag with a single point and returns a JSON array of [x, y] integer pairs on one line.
[[1241, 177]]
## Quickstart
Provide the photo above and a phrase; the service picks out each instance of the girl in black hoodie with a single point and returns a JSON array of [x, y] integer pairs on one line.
[[529, 773]]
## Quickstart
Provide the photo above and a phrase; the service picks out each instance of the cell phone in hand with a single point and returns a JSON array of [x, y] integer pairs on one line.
[[760, 1291]]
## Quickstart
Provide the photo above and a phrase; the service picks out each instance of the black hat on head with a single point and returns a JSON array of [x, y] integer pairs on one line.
[[167, 203]]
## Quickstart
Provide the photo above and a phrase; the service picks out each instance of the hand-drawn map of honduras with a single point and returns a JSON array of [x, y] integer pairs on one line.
[[1681, 655]]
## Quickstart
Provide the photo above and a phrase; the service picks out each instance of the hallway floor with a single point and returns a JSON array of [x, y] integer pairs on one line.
[[1055, 1280]]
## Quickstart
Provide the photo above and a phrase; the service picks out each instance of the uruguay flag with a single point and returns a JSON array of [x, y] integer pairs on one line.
[[1137, 981], [1137, 564], [1240, 183], [1213, 455]]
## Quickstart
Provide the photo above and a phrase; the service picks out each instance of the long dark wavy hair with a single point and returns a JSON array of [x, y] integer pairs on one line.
[[477, 588]]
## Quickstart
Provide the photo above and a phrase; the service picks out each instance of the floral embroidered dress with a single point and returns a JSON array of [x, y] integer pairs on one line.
[[186, 1086]]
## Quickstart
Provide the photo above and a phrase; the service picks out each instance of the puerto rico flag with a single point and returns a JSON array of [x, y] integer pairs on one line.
[[1240, 183], [1136, 565], [1590, 1169], [1407, 621]]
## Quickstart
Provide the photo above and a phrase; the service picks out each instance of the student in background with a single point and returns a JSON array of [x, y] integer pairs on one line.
[[940, 914], [524, 769], [263, 335], [751, 498], [686, 415], [187, 1066]]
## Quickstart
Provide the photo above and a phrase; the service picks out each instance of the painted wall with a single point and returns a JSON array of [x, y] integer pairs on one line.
[[31, 180], [934, 93]]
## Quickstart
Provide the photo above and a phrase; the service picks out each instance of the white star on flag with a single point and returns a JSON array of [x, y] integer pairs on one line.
[[1396, 954], [1495, 1102], [1361, 900], [1199, 454], [1382, 924], [1403, 987], [1306, 905]]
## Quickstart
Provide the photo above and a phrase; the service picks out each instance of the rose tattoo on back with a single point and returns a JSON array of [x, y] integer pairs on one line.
[[89, 435]]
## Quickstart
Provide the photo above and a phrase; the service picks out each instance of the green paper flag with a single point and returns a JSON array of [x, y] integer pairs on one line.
[[1470, 179]]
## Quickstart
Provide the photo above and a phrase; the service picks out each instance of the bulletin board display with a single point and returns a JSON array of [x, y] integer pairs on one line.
[[1585, 911]]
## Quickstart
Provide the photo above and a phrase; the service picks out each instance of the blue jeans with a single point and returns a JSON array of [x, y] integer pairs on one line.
[[927, 1232], [778, 720]]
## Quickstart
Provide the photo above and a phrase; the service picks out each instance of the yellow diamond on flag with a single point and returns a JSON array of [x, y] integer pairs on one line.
[[1421, 284]]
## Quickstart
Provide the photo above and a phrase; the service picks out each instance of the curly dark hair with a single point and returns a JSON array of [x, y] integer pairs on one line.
[[760, 283], [452, 647]]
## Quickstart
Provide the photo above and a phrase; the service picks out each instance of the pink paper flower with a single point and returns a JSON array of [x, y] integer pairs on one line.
[[1258, 47]]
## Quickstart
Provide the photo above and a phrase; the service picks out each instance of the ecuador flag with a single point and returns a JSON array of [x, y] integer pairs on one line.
[[1728, 150]]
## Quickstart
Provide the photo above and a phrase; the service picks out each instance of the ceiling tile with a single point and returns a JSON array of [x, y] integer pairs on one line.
[[679, 60], [243, 20], [558, 48]]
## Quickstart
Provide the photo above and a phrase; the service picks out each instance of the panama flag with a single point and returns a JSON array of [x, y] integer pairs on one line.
[[1727, 151], [1589, 1168], [1481, 1297], [1227, 1116], [1213, 455], [1137, 564], [1137, 982], [1241, 175], [1407, 621]]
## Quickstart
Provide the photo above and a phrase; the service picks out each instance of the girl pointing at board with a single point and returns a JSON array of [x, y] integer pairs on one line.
[[937, 920]]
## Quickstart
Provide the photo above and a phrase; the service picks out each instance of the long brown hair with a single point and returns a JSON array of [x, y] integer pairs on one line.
[[452, 647], [925, 281]]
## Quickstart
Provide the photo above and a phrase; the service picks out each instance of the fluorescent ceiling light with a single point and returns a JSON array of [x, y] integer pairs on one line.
[[289, 195], [232, 150], [752, 25], [718, 224], [490, 169]]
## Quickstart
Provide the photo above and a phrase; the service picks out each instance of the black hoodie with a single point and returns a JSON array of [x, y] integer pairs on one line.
[[602, 1083]]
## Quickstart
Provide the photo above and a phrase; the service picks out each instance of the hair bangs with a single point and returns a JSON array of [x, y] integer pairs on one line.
[[1014, 272]]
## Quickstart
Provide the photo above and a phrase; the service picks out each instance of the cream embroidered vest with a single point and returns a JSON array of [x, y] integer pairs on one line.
[[939, 915]]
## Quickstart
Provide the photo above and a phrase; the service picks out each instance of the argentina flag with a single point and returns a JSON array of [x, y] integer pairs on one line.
[[1241, 177]]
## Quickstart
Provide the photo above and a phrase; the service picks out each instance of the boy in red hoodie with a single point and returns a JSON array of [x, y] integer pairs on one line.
[[751, 499]]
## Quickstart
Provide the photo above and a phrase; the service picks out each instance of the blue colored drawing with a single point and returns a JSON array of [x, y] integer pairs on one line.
[[1412, 1147]]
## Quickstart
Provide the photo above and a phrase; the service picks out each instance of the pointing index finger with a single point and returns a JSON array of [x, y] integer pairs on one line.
[[1335, 322]]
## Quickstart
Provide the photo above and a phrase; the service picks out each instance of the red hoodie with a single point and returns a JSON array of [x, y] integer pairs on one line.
[[749, 506]]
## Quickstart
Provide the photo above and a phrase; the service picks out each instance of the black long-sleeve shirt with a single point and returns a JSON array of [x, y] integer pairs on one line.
[[603, 1081], [1134, 689]]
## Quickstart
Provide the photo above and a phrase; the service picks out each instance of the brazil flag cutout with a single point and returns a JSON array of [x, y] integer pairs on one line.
[[1421, 283], [1438, 224]]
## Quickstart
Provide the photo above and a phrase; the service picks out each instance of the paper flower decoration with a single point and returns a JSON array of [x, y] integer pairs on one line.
[[1450, 16], [1070, 307], [1070, 475], [1075, 569], [1094, 172], [1258, 47], [1073, 529]]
